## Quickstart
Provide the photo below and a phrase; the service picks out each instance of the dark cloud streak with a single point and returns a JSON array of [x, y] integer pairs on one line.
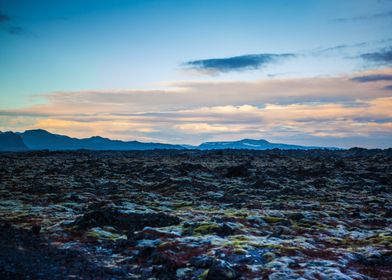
[[10, 29], [341, 47], [383, 56], [372, 78], [237, 63], [4, 18], [367, 17], [16, 30]]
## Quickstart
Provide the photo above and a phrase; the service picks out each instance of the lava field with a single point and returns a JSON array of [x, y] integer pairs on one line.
[[225, 214]]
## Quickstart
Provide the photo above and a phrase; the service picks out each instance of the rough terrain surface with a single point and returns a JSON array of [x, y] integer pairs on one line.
[[196, 215]]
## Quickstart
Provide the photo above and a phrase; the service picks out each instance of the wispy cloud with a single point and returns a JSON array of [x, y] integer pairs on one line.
[[7, 25], [4, 17], [383, 56], [372, 78], [387, 14], [237, 63], [213, 66], [340, 48], [16, 30]]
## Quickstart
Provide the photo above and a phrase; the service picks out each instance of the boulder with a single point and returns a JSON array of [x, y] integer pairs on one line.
[[201, 261], [124, 220], [221, 270], [238, 171]]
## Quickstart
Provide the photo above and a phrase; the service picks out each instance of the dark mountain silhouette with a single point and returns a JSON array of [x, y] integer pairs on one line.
[[39, 139], [251, 144], [10, 141]]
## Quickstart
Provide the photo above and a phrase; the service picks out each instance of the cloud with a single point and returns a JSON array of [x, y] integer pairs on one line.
[[189, 94], [240, 63], [186, 95], [383, 56], [342, 47], [5, 21], [4, 18], [237, 63], [383, 15], [16, 30], [323, 111], [206, 128], [323, 120], [372, 78]]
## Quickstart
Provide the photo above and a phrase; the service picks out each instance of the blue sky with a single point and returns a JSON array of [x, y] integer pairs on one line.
[[50, 48]]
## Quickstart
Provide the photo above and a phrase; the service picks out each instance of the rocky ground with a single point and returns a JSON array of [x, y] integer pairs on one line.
[[196, 215]]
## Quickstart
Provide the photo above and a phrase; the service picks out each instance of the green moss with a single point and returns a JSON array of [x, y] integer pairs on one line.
[[269, 256], [99, 233], [163, 244], [206, 229], [204, 274], [238, 241], [272, 220], [180, 205], [241, 237], [240, 251], [236, 213], [382, 239], [274, 246]]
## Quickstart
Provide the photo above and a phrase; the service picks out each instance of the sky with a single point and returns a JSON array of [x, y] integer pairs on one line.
[[309, 72]]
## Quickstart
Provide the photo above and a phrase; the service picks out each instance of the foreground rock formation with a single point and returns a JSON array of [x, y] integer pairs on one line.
[[196, 215]]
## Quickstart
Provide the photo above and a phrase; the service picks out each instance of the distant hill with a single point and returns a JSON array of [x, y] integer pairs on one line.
[[10, 141], [40, 139], [251, 144]]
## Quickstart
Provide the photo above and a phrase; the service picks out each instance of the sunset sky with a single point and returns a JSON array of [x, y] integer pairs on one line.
[[310, 72]]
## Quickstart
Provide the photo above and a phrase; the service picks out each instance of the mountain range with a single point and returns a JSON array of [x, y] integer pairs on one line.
[[39, 139]]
